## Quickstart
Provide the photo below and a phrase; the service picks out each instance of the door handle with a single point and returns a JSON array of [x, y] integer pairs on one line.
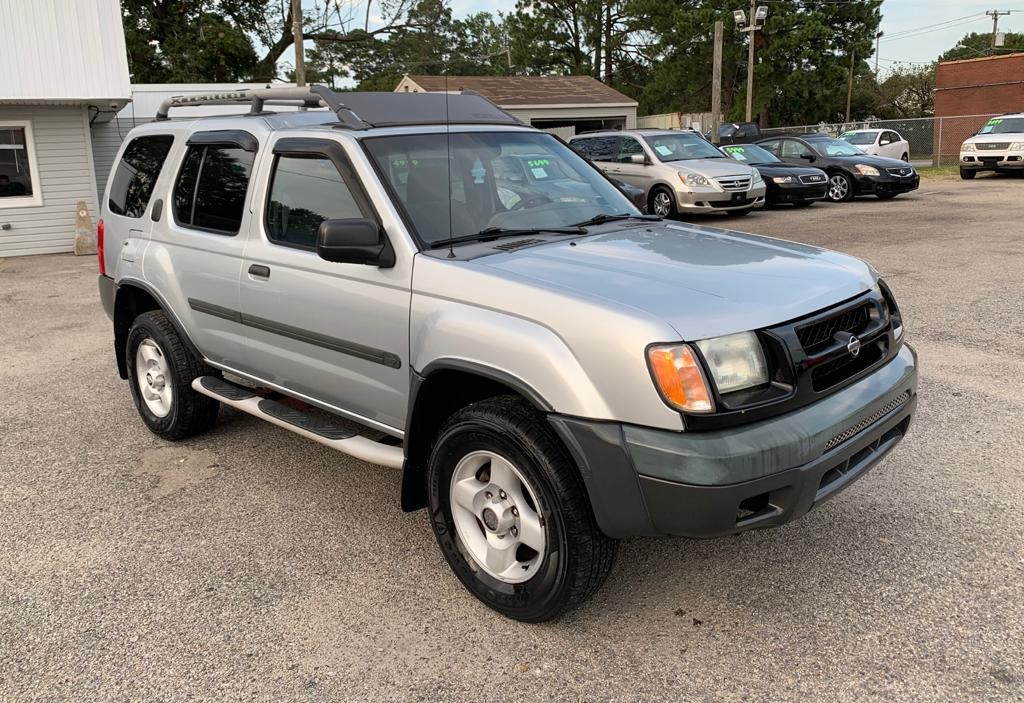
[[259, 271]]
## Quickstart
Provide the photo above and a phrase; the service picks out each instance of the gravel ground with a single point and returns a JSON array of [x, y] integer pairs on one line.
[[251, 564]]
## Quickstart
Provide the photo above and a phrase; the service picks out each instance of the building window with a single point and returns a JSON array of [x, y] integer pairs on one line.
[[19, 175]]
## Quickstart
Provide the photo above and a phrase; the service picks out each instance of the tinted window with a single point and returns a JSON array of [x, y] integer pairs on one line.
[[305, 191], [628, 147], [210, 193], [792, 149], [581, 146], [603, 148], [136, 174], [770, 146]]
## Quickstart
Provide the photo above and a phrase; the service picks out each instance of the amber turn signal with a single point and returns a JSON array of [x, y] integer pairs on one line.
[[679, 378]]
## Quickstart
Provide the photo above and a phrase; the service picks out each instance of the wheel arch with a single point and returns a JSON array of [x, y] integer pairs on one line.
[[438, 390], [131, 300]]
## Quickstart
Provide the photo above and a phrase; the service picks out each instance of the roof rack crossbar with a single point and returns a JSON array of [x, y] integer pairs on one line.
[[311, 96]]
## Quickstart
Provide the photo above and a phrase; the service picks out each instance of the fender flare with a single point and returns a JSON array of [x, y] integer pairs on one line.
[[121, 335]]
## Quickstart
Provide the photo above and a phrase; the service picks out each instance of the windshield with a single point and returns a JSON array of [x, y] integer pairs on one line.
[[682, 147], [508, 180], [751, 154], [1004, 125], [835, 147], [859, 137]]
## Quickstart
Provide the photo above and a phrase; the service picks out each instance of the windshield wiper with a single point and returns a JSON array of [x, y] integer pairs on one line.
[[490, 233], [603, 217]]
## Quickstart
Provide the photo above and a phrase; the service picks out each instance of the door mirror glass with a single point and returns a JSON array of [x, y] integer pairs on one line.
[[638, 159], [354, 241], [807, 156]]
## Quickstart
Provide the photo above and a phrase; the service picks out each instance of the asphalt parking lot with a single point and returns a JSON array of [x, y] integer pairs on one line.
[[252, 564]]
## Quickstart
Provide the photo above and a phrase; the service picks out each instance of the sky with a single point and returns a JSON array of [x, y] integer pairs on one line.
[[954, 19]]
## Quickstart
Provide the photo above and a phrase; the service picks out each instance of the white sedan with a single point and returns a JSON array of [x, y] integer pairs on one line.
[[879, 142]]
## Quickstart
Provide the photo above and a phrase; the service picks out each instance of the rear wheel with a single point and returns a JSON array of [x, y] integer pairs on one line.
[[840, 188], [967, 174], [161, 369], [510, 512], [662, 202]]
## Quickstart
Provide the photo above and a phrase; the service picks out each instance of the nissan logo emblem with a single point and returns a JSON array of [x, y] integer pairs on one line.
[[853, 346]]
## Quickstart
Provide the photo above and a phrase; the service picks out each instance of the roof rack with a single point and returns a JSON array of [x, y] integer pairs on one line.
[[360, 110]]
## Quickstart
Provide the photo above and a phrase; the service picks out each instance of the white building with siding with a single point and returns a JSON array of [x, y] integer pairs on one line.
[[64, 67]]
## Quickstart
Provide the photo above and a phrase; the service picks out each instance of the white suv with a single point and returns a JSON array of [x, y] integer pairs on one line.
[[998, 146]]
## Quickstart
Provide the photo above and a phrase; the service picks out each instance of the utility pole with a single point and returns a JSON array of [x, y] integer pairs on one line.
[[300, 54], [849, 86], [716, 86], [995, 15], [878, 46]]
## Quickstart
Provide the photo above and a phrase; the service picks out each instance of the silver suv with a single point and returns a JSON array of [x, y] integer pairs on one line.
[[678, 170], [423, 283]]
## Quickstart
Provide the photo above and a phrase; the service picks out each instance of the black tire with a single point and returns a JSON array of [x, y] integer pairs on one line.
[[578, 556], [189, 413], [803, 203], [834, 193], [652, 207], [967, 174]]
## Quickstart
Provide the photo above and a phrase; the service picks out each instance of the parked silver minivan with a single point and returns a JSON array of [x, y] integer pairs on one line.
[[678, 170]]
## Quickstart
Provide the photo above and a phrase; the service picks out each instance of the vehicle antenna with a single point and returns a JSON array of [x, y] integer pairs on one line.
[[448, 150]]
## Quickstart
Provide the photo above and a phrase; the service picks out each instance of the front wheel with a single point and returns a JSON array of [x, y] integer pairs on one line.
[[161, 369], [840, 188], [510, 512], [967, 174], [662, 203]]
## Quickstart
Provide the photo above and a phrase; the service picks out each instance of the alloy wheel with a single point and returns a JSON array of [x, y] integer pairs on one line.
[[153, 377], [496, 516], [662, 204], [838, 188]]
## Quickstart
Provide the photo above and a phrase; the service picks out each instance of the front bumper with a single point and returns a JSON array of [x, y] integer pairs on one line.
[[797, 192], [987, 161], [873, 185], [644, 481], [721, 201]]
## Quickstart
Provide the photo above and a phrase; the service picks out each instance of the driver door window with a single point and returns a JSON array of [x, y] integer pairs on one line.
[[792, 150], [305, 190], [627, 148]]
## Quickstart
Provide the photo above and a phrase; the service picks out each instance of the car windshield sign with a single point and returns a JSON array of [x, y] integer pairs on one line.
[[682, 147], [859, 137], [751, 154], [835, 147], [486, 184], [1004, 125]]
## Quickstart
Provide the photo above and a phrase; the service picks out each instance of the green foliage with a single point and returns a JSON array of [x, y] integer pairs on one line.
[[975, 45], [907, 92]]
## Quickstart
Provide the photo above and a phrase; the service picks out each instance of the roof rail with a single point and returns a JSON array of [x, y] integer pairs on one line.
[[311, 96]]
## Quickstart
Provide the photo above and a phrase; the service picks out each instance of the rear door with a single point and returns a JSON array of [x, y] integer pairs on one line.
[[196, 253], [334, 333], [126, 216]]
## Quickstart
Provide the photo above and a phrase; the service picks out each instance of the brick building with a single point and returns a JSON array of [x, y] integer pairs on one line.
[[969, 91]]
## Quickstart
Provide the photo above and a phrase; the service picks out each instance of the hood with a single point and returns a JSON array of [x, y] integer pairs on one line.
[[704, 282], [712, 168], [996, 138]]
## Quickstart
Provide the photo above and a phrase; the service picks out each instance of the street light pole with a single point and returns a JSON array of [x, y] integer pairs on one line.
[[757, 14]]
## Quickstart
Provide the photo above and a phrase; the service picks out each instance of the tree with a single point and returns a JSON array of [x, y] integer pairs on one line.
[[183, 41], [976, 45], [907, 92]]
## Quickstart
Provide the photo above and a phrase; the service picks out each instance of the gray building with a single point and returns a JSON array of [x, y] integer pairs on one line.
[[65, 68]]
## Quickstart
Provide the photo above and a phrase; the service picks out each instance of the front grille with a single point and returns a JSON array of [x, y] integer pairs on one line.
[[851, 432], [812, 179], [820, 335], [992, 146], [834, 372], [901, 171], [734, 182]]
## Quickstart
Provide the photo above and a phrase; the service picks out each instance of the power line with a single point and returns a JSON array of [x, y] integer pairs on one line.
[[933, 30], [897, 35]]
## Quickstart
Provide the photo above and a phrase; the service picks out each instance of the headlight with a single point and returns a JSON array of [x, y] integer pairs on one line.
[[783, 179], [866, 170], [757, 176], [694, 179], [967, 146], [894, 311], [1017, 146], [678, 376], [736, 361]]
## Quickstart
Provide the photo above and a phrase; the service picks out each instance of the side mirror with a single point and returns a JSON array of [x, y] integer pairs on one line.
[[638, 159], [354, 241], [808, 156]]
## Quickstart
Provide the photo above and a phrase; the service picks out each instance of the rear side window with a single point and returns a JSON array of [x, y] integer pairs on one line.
[[604, 148], [211, 187], [581, 146], [136, 174], [306, 190]]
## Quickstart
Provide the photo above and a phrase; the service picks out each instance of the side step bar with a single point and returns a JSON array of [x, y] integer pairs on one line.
[[322, 431]]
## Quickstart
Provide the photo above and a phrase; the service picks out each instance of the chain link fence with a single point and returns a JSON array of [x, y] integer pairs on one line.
[[935, 139]]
